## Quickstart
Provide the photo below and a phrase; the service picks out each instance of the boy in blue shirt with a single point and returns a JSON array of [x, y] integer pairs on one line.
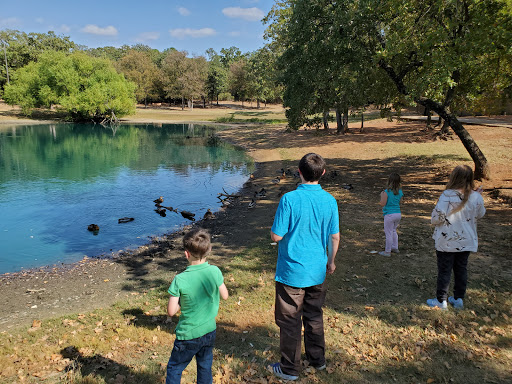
[[196, 290], [306, 225]]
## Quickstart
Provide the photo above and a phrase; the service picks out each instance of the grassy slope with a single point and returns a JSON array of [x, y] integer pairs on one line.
[[377, 328]]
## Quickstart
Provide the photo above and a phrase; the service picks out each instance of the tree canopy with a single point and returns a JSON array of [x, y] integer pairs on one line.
[[21, 48], [84, 87], [434, 53]]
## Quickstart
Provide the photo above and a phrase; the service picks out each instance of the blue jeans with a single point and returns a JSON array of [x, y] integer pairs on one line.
[[182, 354]]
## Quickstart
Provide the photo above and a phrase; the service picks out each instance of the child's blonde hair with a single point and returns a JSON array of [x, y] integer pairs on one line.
[[197, 243], [461, 178], [394, 183]]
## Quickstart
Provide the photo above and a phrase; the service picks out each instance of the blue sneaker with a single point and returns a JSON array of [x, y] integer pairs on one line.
[[276, 369], [434, 303], [457, 304]]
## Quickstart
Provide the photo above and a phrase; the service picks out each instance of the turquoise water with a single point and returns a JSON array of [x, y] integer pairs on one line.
[[57, 179]]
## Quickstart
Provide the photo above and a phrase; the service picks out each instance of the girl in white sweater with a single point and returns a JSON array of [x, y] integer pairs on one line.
[[455, 217]]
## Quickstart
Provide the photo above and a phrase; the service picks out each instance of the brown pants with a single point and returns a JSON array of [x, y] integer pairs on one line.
[[294, 307]]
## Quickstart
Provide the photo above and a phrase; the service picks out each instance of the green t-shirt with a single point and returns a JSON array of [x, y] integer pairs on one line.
[[198, 290]]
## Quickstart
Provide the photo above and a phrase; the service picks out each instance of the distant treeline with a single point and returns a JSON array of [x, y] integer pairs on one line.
[[157, 76]]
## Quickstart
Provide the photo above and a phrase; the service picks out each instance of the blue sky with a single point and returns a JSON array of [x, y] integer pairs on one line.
[[193, 25]]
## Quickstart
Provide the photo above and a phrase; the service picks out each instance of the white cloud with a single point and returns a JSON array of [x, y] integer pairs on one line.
[[40, 20], [9, 22], [183, 11], [64, 28], [147, 36], [249, 14], [182, 33], [95, 30], [234, 33]]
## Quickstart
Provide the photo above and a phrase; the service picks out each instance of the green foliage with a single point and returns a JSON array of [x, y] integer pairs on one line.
[[216, 82], [138, 67], [84, 87], [22, 48], [264, 82], [322, 64], [184, 77]]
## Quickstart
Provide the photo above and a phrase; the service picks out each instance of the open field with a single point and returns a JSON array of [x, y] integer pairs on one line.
[[104, 321]]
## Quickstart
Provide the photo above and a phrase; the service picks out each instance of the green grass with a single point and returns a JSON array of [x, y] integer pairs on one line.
[[233, 118]]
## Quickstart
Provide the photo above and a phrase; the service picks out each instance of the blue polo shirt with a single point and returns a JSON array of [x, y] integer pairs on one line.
[[305, 219]]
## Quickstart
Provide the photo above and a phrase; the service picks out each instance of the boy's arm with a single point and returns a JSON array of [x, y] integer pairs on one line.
[[275, 237], [173, 306], [223, 290], [334, 243]]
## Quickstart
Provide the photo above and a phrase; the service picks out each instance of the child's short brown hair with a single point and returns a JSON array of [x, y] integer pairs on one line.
[[197, 243], [312, 167]]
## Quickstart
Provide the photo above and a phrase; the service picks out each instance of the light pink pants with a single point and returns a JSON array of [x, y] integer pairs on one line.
[[391, 222]]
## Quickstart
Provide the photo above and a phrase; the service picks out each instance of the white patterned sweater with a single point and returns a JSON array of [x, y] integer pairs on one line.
[[457, 232]]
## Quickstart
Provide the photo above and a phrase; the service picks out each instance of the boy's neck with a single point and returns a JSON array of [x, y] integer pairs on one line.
[[197, 261]]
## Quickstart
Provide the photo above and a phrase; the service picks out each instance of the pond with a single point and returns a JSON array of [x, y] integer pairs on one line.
[[57, 179]]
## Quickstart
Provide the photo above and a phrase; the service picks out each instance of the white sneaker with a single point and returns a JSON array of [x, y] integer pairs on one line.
[[457, 304], [395, 250], [434, 303], [276, 369], [384, 253]]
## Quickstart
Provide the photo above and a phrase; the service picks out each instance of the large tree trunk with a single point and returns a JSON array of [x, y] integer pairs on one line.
[[258, 103], [362, 123], [482, 170], [326, 119], [339, 123], [345, 120], [429, 117]]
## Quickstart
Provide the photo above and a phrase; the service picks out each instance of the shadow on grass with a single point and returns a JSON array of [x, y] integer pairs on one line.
[[106, 368]]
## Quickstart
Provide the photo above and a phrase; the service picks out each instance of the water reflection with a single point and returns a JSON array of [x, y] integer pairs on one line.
[[57, 179]]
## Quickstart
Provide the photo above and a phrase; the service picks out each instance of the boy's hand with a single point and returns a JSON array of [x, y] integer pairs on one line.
[[331, 267]]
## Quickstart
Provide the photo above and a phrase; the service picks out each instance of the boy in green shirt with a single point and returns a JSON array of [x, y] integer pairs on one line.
[[196, 290]]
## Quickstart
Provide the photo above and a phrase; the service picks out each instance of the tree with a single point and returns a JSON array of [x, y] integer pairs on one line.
[[321, 67], [264, 75], [138, 67], [82, 86], [433, 53], [21, 48], [184, 77], [435, 50], [229, 55], [216, 81], [238, 80]]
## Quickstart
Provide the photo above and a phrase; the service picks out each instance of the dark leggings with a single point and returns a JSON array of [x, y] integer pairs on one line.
[[446, 262]]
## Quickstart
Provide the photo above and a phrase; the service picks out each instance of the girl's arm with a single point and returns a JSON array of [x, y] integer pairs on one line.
[[223, 290], [173, 306], [440, 211], [383, 198]]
